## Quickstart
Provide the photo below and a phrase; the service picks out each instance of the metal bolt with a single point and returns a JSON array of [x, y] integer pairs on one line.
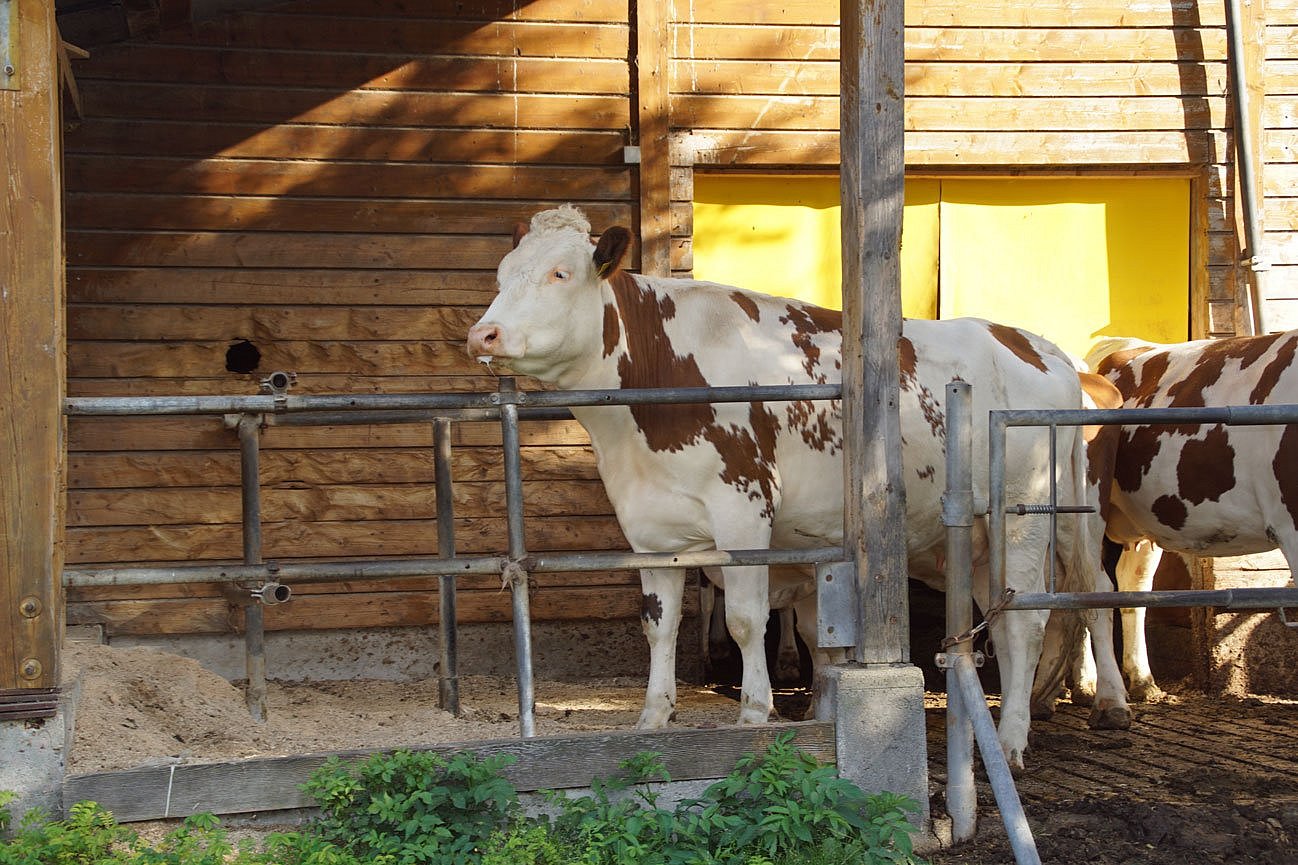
[[30, 607], [30, 669], [9, 69]]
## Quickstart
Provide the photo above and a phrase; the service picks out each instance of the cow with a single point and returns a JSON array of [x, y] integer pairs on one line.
[[1198, 489], [755, 475]]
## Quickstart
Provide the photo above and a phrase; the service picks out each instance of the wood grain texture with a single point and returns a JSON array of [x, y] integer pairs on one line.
[[552, 762], [31, 343]]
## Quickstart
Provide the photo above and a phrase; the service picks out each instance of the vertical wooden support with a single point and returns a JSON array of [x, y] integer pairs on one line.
[[872, 78], [32, 381], [651, 23]]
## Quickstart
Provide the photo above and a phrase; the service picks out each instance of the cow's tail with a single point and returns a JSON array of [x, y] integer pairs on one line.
[[1078, 545], [1107, 345]]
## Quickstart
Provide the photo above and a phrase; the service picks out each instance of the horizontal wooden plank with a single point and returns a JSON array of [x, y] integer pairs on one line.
[[1038, 44], [961, 114], [474, 10], [998, 13], [548, 762], [286, 467], [302, 588], [306, 285], [1281, 76], [372, 538], [923, 148], [282, 249], [128, 434], [804, 78], [169, 322], [332, 502], [345, 143], [374, 108], [152, 62], [481, 381], [1282, 41], [356, 610], [373, 180], [254, 213], [566, 38]]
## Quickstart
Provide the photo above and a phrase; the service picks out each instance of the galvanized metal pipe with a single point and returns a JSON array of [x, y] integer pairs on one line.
[[448, 680], [1222, 599], [254, 623], [958, 517], [285, 404], [1245, 174], [1230, 415], [517, 551], [306, 572], [974, 702]]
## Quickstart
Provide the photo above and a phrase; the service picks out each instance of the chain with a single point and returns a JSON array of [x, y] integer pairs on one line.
[[992, 613]]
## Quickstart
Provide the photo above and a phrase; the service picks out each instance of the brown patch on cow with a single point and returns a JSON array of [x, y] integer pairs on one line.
[[1206, 469], [612, 330], [931, 410], [748, 456], [1285, 466], [908, 363], [1101, 439], [1212, 360], [650, 360], [1019, 345], [819, 426], [1137, 447], [809, 321], [1271, 373], [651, 608], [747, 304], [1170, 511]]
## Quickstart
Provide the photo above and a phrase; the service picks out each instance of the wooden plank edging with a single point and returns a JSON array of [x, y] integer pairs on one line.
[[555, 762]]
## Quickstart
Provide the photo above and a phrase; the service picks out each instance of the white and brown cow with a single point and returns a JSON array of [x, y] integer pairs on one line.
[[1204, 490], [757, 475]]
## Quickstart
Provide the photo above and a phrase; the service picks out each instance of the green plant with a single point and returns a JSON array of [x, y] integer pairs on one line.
[[409, 807]]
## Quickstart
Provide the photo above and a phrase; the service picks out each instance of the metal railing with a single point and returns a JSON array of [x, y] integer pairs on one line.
[[267, 582], [968, 717]]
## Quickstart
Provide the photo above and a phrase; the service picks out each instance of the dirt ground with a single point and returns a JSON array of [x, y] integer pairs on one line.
[[1195, 780]]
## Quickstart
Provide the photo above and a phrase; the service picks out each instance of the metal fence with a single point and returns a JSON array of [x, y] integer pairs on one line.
[[268, 582]]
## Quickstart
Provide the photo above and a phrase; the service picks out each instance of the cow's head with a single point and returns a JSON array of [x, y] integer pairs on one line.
[[547, 318]]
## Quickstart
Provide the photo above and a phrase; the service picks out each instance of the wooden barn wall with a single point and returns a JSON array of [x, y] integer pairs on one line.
[[1005, 87], [333, 182]]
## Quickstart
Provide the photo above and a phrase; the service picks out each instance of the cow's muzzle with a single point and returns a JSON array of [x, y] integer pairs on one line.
[[485, 341]]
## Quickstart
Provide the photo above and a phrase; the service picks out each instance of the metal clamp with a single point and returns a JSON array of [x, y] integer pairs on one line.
[[270, 594], [277, 385], [946, 660]]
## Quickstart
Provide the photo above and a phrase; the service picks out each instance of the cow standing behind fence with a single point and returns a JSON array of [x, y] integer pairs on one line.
[[1204, 490], [758, 475]]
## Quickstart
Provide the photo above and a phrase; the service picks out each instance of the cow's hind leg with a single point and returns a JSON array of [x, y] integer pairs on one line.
[[788, 664], [747, 610], [1135, 571], [660, 616]]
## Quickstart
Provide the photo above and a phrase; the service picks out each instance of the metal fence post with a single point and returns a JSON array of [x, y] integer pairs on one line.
[[254, 630], [515, 573], [448, 680]]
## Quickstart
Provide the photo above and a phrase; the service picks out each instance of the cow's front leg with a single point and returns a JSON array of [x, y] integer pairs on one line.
[[1018, 635], [747, 610], [660, 616]]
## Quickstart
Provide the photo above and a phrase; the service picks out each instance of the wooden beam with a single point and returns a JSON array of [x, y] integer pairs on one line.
[[550, 762], [652, 97], [32, 358], [873, 80]]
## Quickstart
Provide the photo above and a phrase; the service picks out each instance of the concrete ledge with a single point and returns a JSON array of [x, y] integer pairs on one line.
[[35, 758]]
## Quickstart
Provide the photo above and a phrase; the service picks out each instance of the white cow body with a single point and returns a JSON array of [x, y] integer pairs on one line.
[[751, 476], [1206, 490]]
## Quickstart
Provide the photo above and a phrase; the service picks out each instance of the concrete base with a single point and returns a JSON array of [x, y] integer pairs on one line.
[[881, 744], [561, 651], [34, 757]]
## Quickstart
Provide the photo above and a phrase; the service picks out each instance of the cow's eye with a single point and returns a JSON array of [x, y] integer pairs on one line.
[[559, 275]]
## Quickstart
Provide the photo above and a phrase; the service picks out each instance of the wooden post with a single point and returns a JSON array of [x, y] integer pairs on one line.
[[32, 350], [655, 160], [872, 78]]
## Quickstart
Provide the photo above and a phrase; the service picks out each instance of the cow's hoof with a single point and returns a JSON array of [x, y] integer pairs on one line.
[[1110, 718], [1082, 697], [753, 715], [1145, 691], [1042, 710]]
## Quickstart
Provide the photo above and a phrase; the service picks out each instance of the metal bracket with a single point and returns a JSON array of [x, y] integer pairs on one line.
[[277, 384], [836, 605], [8, 45], [946, 660], [1284, 619]]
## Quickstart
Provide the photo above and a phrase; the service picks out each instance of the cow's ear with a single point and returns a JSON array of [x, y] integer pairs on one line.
[[610, 250], [520, 231]]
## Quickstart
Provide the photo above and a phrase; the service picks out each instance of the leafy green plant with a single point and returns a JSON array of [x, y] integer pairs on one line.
[[413, 807]]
